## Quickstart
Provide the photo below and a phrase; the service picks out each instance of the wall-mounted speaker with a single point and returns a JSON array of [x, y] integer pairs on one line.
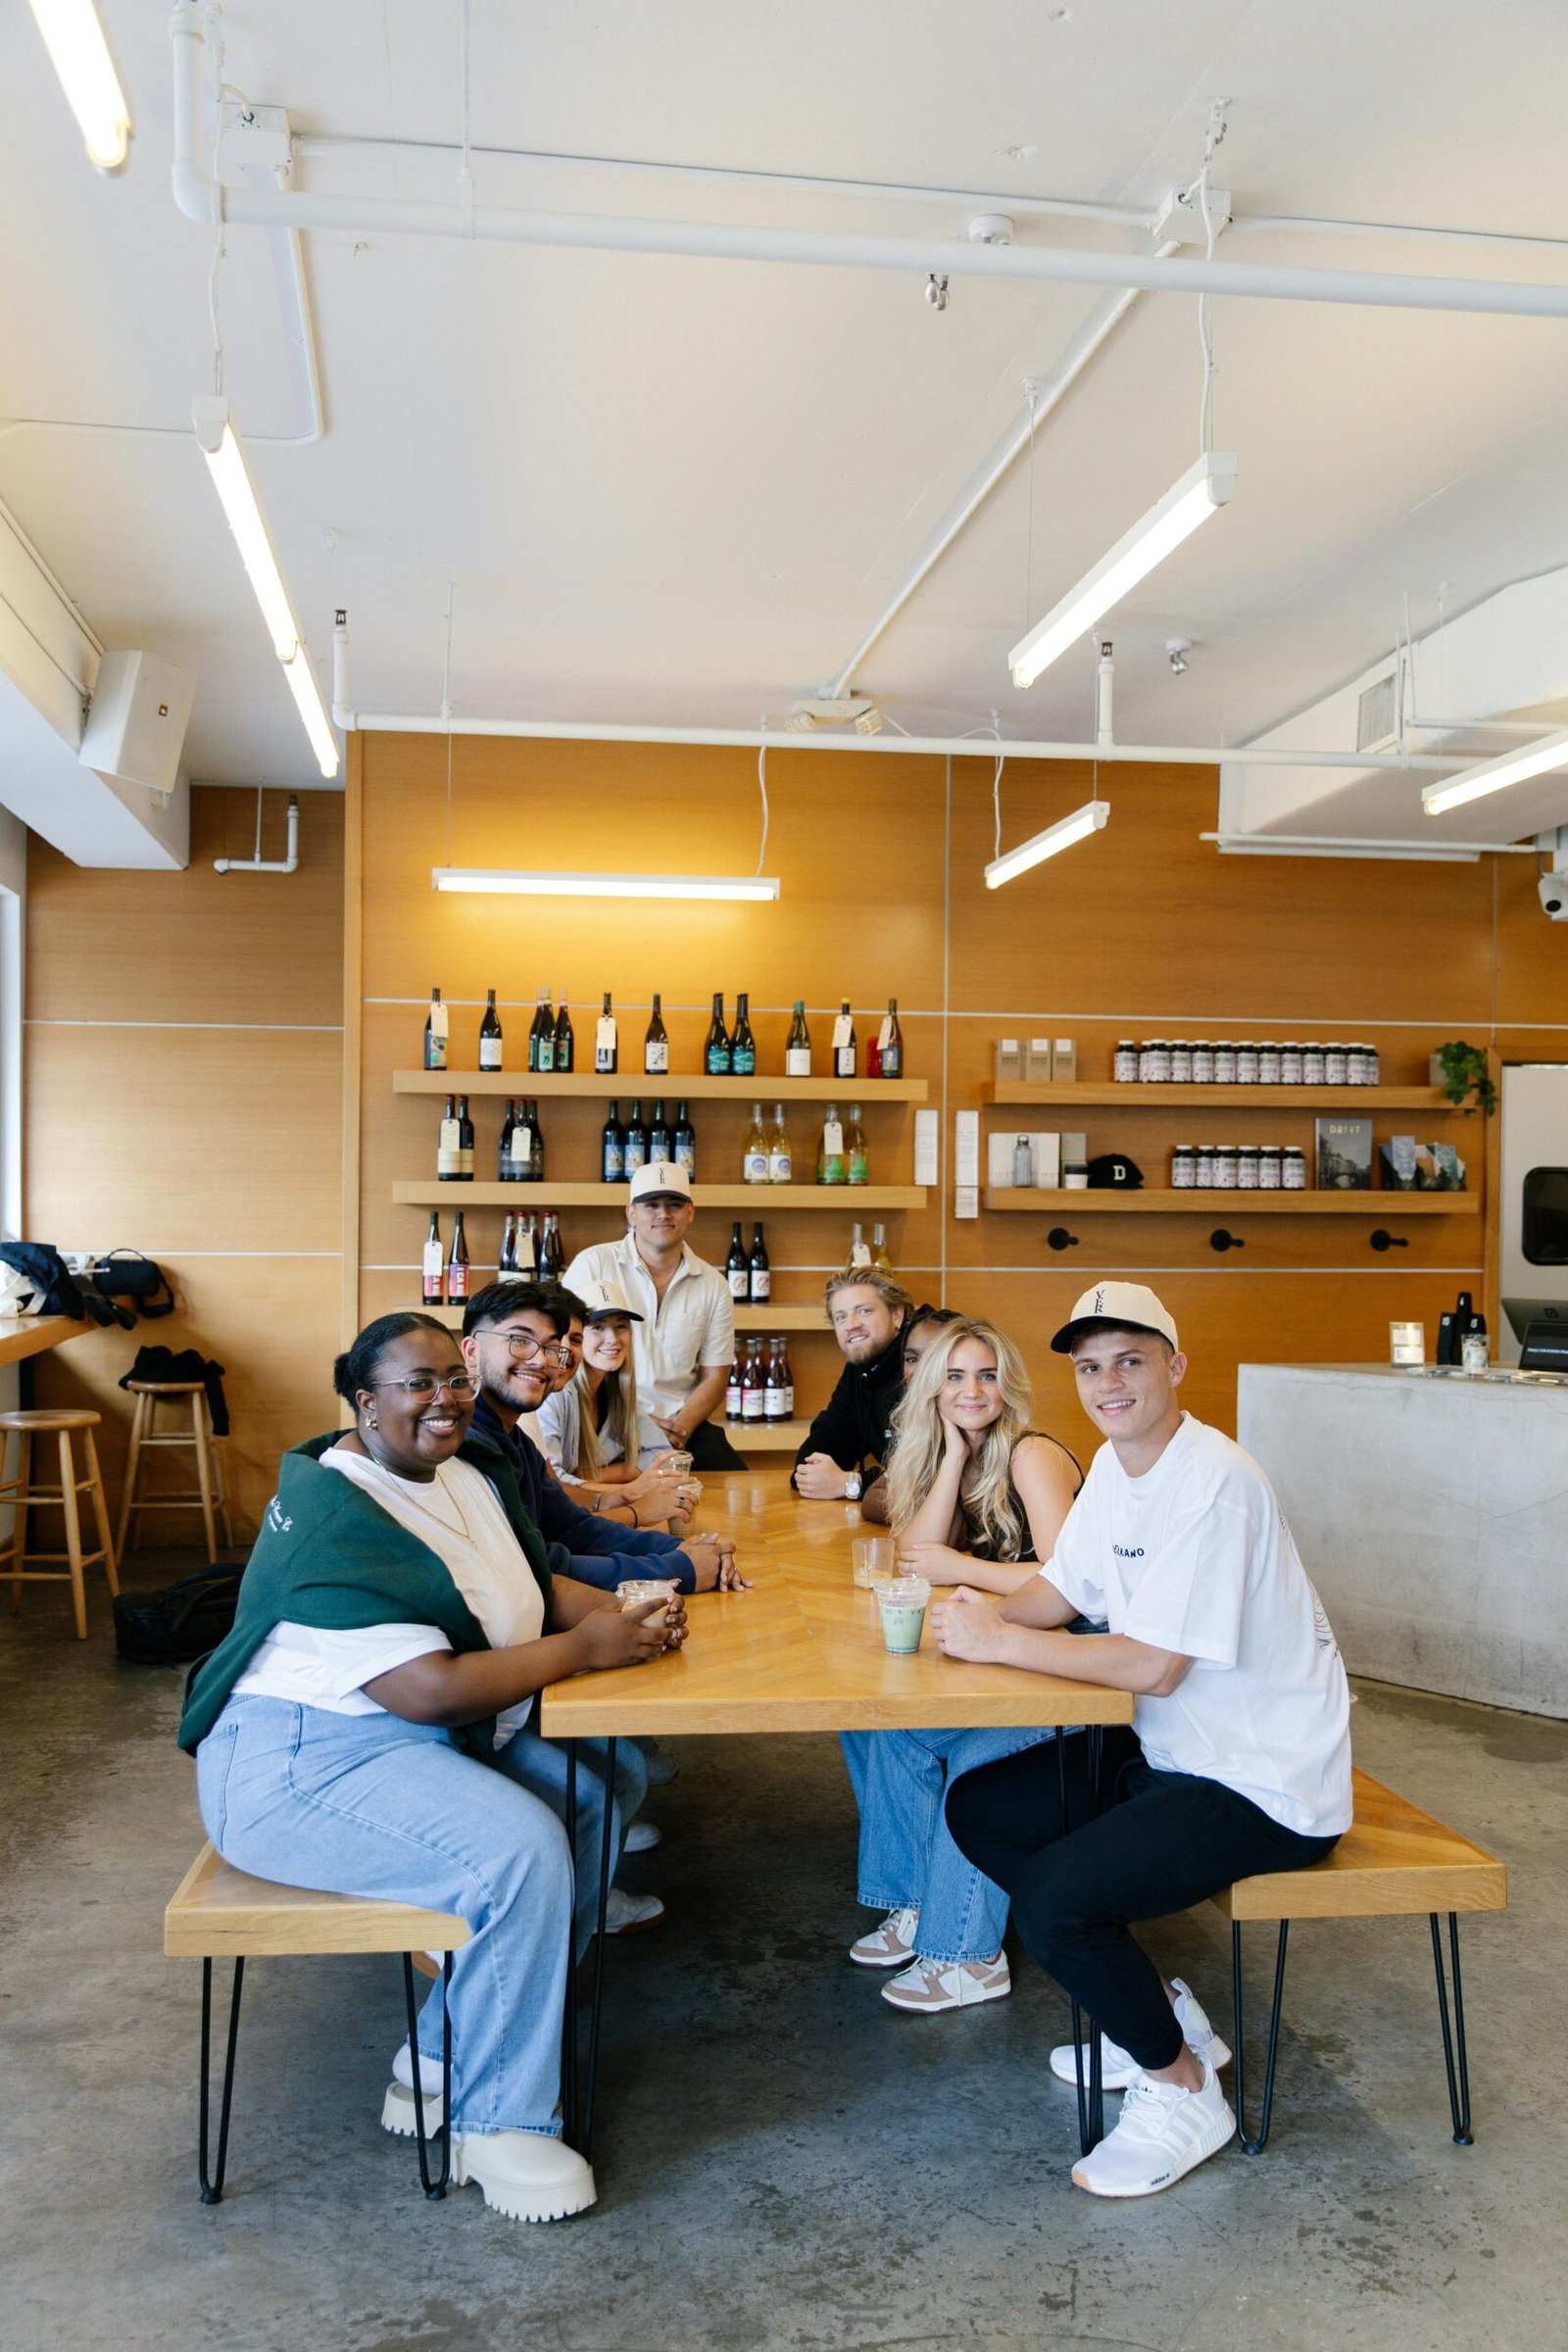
[[136, 726]]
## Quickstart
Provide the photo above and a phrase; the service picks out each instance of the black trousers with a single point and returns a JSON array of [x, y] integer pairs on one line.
[[1164, 1842]]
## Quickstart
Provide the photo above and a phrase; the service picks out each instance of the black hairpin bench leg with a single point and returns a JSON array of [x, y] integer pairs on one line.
[[213, 2186], [1253, 2143], [1458, 2082], [438, 2187], [607, 1856]]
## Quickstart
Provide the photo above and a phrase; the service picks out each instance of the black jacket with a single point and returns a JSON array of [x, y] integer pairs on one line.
[[852, 1429], [577, 1542]]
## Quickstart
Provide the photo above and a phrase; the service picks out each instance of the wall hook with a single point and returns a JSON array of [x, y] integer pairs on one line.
[[1222, 1240], [1058, 1238], [1381, 1238]]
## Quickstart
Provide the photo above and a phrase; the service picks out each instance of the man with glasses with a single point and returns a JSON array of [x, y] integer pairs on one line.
[[514, 1343]]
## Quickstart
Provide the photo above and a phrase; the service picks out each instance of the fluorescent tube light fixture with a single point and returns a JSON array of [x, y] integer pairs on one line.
[[1040, 846], [603, 886], [78, 51], [1495, 775], [224, 452], [1209, 484]]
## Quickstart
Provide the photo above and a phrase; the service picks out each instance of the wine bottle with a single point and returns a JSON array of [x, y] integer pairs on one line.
[[432, 1265], [685, 1145], [552, 1250], [613, 1150], [435, 1033], [762, 1277], [659, 1135], [715, 1053], [774, 1406], [859, 1254], [798, 1047], [458, 1265], [844, 1064], [737, 1267], [507, 1263], [732, 1387], [527, 1246], [490, 1034], [753, 1391], [566, 1039], [448, 1148], [517, 1145], [656, 1044], [879, 1249], [830, 1167], [542, 1035], [890, 1044], [786, 1382], [743, 1044], [859, 1167], [635, 1146], [780, 1152], [534, 1136], [607, 1043], [754, 1160], [465, 1140]]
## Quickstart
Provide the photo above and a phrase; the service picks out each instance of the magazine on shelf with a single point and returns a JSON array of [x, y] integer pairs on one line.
[[1343, 1155]]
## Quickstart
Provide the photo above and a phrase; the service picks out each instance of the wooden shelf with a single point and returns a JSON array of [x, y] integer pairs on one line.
[[765, 1437], [1131, 1097], [1227, 1204], [429, 1192], [793, 1317], [673, 1087]]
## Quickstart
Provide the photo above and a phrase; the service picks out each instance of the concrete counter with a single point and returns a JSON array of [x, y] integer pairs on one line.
[[1432, 1514]]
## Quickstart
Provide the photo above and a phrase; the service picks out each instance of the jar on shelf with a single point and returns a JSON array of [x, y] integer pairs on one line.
[[1291, 1065], [1204, 1168], [1246, 1159], [1314, 1060], [1374, 1066], [1224, 1066], [1181, 1062], [1153, 1063], [1202, 1063], [1225, 1157], [1270, 1064], [1183, 1168], [1247, 1064], [1336, 1066], [1293, 1169], [1269, 1172], [1124, 1061], [1363, 1065]]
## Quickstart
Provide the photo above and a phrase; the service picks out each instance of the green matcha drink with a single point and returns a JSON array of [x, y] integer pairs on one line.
[[903, 1603]]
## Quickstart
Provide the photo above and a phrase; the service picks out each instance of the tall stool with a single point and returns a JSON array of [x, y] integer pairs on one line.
[[207, 1496], [21, 1492]]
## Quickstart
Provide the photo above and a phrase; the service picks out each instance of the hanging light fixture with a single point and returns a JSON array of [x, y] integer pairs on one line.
[[1209, 483], [78, 51], [1089, 818], [538, 885], [1495, 775]]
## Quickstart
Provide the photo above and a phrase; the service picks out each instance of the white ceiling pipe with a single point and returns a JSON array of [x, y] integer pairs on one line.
[[286, 865], [202, 199]]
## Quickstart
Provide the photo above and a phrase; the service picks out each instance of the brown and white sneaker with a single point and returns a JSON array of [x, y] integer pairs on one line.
[[931, 1987], [891, 1946]]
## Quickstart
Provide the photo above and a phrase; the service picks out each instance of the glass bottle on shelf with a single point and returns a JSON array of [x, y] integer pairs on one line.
[[775, 1387], [527, 1246], [507, 1263], [743, 1046], [532, 1137], [716, 1051], [685, 1145], [797, 1046], [737, 1267], [465, 1140], [607, 1043], [613, 1150], [889, 1046], [844, 1051], [754, 1159], [859, 1254], [435, 1033], [634, 1149], [786, 1383], [732, 1387], [458, 1265], [566, 1058], [860, 1162], [542, 1036], [761, 1273], [879, 1249], [551, 1249], [506, 1172], [656, 1044], [448, 1161], [432, 1263], [490, 1034], [780, 1151], [752, 1391], [659, 1135], [830, 1161]]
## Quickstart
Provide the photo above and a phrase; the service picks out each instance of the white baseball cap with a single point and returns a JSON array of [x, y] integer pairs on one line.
[[602, 1299], [661, 1176], [1123, 1305]]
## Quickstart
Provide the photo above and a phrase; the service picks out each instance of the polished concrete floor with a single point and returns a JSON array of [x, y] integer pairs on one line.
[[785, 2165]]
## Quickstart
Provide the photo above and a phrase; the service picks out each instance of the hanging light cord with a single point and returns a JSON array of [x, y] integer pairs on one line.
[[1213, 139], [761, 786]]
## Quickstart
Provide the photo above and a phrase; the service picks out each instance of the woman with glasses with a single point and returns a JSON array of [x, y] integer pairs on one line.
[[371, 1728]]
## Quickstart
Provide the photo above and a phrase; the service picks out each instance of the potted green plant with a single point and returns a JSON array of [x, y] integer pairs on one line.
[[1460, 1070]]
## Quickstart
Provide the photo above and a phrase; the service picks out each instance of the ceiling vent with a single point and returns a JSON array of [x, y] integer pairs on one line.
[[1377, 714]]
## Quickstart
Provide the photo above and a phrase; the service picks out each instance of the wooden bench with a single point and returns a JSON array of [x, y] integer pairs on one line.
[[1395, 1861], [217, 1912]]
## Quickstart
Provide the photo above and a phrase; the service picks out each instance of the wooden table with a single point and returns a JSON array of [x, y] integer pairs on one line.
[[801, 1652], [22, 1335]]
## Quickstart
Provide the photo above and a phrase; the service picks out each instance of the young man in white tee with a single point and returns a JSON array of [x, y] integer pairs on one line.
[[1238, 1760]]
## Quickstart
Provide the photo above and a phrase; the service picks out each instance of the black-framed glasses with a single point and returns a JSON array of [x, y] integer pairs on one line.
[[458, 1385], [523, 1347]]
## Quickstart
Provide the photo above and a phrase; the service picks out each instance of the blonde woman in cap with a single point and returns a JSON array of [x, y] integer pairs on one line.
[[589, 1428]]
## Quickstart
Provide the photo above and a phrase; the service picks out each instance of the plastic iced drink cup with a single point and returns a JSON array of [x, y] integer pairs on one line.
[[872, 1557], [678, 1466], [644, 1594], [903, 1600]]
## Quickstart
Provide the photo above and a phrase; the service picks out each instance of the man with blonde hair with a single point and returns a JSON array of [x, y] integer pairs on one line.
[[848, 1441]]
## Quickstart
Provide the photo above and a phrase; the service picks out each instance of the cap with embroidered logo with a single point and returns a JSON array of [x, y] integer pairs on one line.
[[661, 1176], [1119, 1306], [606, 1299]]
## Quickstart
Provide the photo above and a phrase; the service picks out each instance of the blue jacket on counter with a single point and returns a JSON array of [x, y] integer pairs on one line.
[[580, 1544]]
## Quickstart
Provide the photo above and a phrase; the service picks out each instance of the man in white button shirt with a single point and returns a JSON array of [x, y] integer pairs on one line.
[[686, 1338], [1238, 1760]]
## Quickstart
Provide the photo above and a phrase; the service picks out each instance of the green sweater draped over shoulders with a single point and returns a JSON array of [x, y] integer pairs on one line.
[[329, 1556]]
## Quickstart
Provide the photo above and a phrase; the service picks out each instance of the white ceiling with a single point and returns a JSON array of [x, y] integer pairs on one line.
[[677, 490]]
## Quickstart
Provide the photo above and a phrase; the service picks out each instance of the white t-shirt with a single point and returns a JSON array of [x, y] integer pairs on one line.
[[560, 1433], [1194, 1557], [691, 1330], [456, 1513]]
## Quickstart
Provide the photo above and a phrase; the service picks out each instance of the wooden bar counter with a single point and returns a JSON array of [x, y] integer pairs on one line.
[[802, 1651], [22, 1335]]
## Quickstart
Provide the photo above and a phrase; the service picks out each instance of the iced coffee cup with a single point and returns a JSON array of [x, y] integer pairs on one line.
[[903, 1603], [872, 1560], [643, 1595]]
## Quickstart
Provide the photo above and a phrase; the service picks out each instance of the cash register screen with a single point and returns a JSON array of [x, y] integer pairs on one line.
[[1545, 1349]]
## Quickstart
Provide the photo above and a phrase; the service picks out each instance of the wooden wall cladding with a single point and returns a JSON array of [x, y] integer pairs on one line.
[[183, 1081]]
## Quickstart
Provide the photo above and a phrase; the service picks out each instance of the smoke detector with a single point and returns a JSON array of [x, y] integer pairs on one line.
[[991, 228], [856, 710]]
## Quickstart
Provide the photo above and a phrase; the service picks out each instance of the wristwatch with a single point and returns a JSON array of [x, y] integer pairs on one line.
[[852, 1486]]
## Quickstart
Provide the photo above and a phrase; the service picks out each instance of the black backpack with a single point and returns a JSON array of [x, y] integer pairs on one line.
[[182, 1623]]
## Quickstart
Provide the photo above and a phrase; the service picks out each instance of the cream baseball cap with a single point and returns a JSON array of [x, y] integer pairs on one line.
[[1125, 1306], [602, 1299], [661, 1176]]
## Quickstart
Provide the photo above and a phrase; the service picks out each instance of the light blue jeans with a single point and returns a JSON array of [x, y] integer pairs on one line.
[[908, 1857], [368, 1804]]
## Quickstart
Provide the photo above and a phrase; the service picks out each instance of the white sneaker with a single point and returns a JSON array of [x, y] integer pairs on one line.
[[891, 1946], [1160, 2134], [641, 1837], [932, 1985], [628, 1914], [523, 2174], [1117, 2069]]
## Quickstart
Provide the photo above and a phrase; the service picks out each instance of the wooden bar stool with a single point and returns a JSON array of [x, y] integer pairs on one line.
[[21, 1492], [207, 1496]]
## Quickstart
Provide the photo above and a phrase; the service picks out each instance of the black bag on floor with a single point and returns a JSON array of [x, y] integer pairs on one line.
[[182, 1623]]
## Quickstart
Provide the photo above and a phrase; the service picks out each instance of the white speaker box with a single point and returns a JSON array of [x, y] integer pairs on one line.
[[136, 727]]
